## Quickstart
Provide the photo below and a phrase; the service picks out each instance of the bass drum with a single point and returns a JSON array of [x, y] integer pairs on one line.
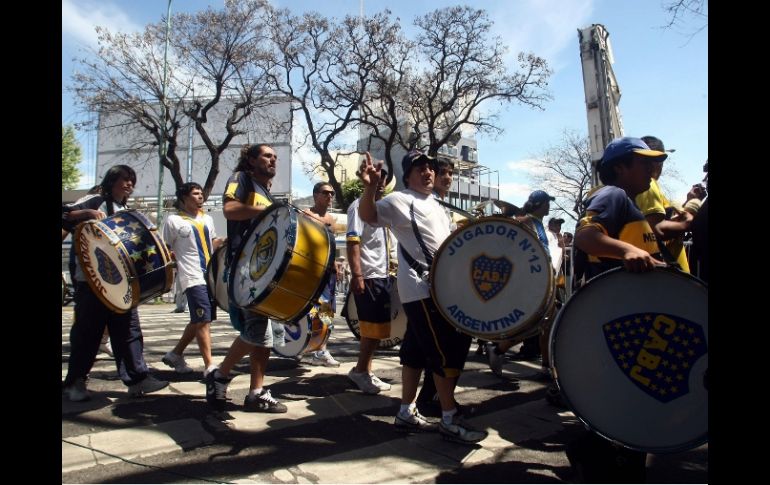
[[397, 319], [492, 279], [282, 265], [630, 356], [216, 278], [124, 259], [307, 335]]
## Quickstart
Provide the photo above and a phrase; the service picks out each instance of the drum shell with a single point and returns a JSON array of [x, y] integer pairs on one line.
[[127, 236], [618, 403], [537, 295], [216, 278], [302, 269]]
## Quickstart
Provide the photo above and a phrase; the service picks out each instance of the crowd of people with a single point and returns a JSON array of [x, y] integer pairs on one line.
[[391, 242]]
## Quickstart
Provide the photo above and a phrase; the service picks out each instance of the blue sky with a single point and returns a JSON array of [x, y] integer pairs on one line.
[[662, 73]]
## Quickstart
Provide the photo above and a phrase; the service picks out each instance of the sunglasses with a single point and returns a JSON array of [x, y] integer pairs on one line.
[[327, 192]]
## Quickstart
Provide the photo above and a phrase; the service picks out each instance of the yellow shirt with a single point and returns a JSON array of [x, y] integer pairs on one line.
[[652, 201]]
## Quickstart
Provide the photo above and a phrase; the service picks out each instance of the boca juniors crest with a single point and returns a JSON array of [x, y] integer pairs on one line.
[[264, 251], [490, 275], [656, 351]]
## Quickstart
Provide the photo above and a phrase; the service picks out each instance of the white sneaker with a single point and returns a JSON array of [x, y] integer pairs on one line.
[[383, 386], [364, 382], [106, 347], [414, 422], [177, 362], [323, 357]]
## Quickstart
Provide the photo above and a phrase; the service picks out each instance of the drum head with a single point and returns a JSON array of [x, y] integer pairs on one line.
[[216, 278], [630, 355], [106, 265], [492, 279], [262, 256]]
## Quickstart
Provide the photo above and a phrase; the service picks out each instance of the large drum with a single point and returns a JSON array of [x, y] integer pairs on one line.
[[397, 319], [216, 277], [124, 259], [630, 355], [282, 264], [492, 279]]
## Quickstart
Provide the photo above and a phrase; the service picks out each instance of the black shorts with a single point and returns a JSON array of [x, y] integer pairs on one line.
[[432, 342]]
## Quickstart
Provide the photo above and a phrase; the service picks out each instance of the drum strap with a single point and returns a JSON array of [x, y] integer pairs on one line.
[[667, 256], [419, 267]]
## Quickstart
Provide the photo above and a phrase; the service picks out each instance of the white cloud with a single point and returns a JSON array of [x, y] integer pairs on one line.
[[78, 19], [527, 166], [514, 192], [544, 27]]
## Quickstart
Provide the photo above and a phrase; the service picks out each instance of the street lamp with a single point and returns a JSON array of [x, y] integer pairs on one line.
[[162, 144]]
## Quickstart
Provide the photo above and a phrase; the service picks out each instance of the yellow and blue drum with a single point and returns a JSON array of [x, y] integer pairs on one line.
[[282, 265], [124, 259], [216, 278]]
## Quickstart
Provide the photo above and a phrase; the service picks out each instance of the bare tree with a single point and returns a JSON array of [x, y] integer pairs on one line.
[[211, 58], [310, 67], [564, 171], [461, 68], [221, 51], [682, 11]]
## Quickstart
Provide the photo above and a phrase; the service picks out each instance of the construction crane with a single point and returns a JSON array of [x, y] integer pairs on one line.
[[602, 92]]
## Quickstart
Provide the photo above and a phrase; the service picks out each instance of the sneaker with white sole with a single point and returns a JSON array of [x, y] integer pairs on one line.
[[383, 386], [77, 392], [177, 362], [145, 386], [413, 422], [323, 357], [364, 381], [460, 432], [263, 403]]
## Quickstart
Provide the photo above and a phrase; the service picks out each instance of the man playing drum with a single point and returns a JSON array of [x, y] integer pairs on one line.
[[247, 194], [91, 314], [614, 232], [192, 237], [419, 223], [370, 250]]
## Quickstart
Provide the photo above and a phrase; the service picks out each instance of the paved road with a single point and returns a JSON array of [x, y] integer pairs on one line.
[[331, 434]]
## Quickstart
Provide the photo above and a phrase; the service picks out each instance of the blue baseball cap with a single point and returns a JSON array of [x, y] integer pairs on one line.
[[623, 146], [539, 197]]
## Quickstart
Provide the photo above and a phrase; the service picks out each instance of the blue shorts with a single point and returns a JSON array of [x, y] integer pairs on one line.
[[254, 328], [202, 310]]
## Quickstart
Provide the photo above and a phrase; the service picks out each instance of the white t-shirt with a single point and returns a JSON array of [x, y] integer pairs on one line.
[[394, 211], [557, 253], [190, 239], [377, 244]]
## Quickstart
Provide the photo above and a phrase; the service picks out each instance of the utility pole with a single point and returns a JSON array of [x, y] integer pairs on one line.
[[162, 144]]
